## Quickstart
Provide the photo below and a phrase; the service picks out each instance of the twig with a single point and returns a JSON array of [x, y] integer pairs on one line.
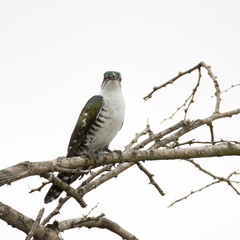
[[193, 125], [211, 132], [217, 88], [137, 136], [192, 192], [193, 93], [193, 141], [56, 210], [97, 173], [150, 176], [24, 223], [35, 224], [98, 222], [83, 189], [171, 81], [85, 216], [219, 179], [190, 97], [66, 187], [39, 188], [198, 66], [159, 135], [232, 86]]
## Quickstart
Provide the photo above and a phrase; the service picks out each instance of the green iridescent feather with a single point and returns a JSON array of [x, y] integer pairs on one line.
[[84, 122]]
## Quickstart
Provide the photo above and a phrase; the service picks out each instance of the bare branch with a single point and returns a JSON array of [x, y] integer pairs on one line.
[[193, 93], [180, 74], [232, 86], [171, 81], [137, 136], [39, 188], [192, 192], [56, 211], [131, 156], [98, 222], [66, 187], [25, 224], [150, 176], [97, 173], [35, 224], [219, 179], [216, 85], [211, 132], [85, 188], [158, 136], [191, 98], [193, 125]]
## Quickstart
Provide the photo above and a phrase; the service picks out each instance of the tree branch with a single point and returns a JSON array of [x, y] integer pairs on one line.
[[66, 187], [35, 224], [98, 222], [25, 224], [150, 176], [132, 156], [180, 74]]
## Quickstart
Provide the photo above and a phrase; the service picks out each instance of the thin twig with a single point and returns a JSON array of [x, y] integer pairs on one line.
[[193, 93], [232, 86], [56, 211], [193, 192], [138, 135], [219, 179], [198, 66], [83, 189], [150, 176], [35, 224], [66, 187], [39, 188], [216, 85], [189, 100], [161, 134], [211, 132], [172, 80]]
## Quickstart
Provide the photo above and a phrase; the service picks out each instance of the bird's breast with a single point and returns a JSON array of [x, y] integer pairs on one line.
[[108, 122]]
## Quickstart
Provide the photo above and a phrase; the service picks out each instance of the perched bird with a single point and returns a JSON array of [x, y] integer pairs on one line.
[[98, 123]]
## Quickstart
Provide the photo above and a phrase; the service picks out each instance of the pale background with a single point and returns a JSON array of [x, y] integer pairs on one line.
[[52, 58]]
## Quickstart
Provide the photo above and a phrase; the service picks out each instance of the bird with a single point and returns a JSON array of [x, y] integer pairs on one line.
[[98, 123]]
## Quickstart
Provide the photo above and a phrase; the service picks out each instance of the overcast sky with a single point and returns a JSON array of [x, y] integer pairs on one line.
[[52, 58]]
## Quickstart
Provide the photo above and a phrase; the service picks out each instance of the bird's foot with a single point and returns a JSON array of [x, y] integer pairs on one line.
[[94, 156], [119, 152]]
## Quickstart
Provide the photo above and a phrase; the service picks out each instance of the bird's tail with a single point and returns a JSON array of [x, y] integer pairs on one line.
[[54, 191]]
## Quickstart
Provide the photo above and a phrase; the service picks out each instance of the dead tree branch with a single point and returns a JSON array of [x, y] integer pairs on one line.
[[150, 176], [133, 156], [35, 224], [180, 74], [25, 224], [219, 179], [98, 222]]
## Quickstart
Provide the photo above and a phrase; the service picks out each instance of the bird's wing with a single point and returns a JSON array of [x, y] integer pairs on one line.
[[84, 122]]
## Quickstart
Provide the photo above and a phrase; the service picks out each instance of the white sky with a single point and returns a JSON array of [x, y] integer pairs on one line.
[[52, 58]]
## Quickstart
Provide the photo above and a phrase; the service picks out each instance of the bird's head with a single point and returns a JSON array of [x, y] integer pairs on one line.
[[111, 80]]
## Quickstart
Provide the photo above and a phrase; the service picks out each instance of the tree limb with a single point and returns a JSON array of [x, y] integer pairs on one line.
[[132, 156], [25, 224], [35, 224], [98, 222]]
